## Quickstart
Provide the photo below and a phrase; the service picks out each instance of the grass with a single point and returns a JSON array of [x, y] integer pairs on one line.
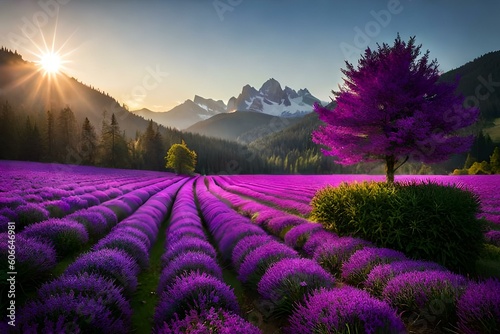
[[145, 298]]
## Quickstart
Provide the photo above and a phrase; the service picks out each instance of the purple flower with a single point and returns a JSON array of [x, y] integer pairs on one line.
[[344, 310], [90, 286], [57, 208], [356, 269], [430, 295], [94, 223], [261, 258], [492, 237], [246, 245], [30, 213], [287, 281], [316, 239], [194, 292], [34, 257], [478, 309], [208, 321], [121, 209], [128, 243], [113, 192], [299, 234], [91, 199], [8, 213], [184, 264], [11, 202], [183, 232], [107, 213], [234, 233], [264, 216], [382, 273], [76, 203], [184, 245], [280, 225], [109, 263], [100, 195], [331, 255], [69, 314], [66, 235]]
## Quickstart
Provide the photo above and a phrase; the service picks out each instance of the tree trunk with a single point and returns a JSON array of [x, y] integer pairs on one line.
[[390, 161]]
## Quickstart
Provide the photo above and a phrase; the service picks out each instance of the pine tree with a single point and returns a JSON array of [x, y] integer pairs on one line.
[[88, 143], [392, 108], [495, 161], [65, 134], [50, 136]]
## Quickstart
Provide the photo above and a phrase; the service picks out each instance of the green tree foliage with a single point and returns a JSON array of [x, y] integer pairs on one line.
[[31, 142], [65, 134], [113, 149], [88, 143], [8, 138], [181, 159], [152, 148], [495, 161]]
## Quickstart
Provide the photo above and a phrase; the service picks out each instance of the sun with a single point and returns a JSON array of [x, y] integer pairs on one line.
[[50, 62]]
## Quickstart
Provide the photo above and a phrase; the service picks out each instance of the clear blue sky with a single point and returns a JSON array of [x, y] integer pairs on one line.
[[213, 48]]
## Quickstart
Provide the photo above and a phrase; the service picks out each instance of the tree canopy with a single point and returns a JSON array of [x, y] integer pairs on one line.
[[392, 108], [181, 159]]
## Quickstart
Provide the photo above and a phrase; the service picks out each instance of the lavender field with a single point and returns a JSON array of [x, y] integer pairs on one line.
[[94, 250]]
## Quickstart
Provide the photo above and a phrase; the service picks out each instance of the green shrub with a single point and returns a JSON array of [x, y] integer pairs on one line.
[[424, 220]]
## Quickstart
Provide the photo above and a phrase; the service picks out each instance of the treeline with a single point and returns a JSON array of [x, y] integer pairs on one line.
[[56, 136]]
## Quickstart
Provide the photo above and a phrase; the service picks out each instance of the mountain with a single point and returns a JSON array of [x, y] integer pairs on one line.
[[241, 126], [30, 91], [186, 114], [271, 99]]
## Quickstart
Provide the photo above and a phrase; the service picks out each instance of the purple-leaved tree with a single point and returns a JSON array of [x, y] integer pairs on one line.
[[392, 108]]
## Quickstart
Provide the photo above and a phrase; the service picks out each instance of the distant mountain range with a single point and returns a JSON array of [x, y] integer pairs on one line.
[[270, 99]]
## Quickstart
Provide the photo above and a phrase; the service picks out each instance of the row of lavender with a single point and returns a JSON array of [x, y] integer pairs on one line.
[[412, 287], [92, 295], [283, 278], [27, 205], [193, 295], [41, 245]]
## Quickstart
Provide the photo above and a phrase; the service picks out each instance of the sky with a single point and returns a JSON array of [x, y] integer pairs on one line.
[[157, 54]]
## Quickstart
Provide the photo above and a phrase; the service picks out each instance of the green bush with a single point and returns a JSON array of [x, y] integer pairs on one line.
[[424, 220]]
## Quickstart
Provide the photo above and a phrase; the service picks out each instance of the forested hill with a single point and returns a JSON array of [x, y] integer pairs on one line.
[[480, 82]]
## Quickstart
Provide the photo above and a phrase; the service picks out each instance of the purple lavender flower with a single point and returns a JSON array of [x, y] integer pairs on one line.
[[264, 216], [109, 263], [91, 199], [344, 310], [186, 263], [57, 208], [66, 235], [299, 234], [129, 243], [107, 213], [382, 273], [91, 286], [194, 292], [100, 195], [233, 234], [245, 246], [67, 314], [76, 203], [208, 321], [11, 202], [316, 239], [492, 237], [355, 270], [183, 232], [478, 309], [134, 231], [94, 223], [181, 246], [34, 258], [8, 213], [333, 254], [113, 192], [30, 213], [261, 258], [280, 225], [429, 295], [121, 209], [287, 281]]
